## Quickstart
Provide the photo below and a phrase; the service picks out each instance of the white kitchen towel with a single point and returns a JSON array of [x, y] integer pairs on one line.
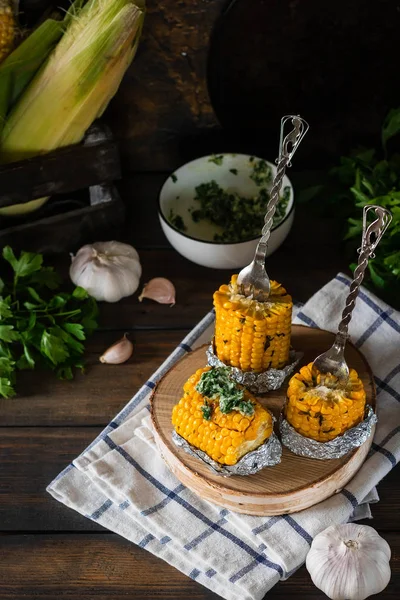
[[121, 482]]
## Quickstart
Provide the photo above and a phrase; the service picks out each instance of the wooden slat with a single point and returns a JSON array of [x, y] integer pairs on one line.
[[32, 457], [107, 567], [65, 170], [95, 397], [67, 230]]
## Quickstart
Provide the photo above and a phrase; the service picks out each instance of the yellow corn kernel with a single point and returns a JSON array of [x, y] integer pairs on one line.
[[251, 335], [7, 28], [225, 437], [320, 408]]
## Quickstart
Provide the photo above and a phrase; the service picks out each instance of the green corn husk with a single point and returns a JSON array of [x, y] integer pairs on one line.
[[75, 84], [19, 68]]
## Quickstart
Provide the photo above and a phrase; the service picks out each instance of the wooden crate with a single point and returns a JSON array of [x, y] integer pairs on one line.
[[84, 204]]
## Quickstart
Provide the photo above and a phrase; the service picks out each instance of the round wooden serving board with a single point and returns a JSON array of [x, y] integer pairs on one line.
[[294, 484]]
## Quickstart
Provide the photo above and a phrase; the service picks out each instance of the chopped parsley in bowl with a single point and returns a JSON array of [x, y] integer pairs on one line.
[[239, 217]]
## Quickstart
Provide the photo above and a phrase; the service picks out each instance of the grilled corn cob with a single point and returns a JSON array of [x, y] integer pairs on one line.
[[7, 28], [225, 437], [251, 335], [320, 408]]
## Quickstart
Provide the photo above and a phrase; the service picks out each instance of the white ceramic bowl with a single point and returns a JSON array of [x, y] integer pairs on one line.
[[196, 243]]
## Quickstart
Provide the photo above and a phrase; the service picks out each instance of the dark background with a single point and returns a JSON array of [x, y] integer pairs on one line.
[[212, 75]]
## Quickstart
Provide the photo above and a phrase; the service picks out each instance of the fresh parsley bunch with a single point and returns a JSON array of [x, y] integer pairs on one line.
[[39, 325]]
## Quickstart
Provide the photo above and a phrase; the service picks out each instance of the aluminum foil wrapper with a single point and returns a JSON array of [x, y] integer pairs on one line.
[[266, 455], [352, 438], [259, 383]]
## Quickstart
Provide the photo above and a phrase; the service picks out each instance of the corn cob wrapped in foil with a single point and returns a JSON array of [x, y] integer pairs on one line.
[[320, 408], [220, 417], [251, 335]]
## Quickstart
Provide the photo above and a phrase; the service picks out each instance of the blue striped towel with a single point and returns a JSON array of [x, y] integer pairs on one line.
[[121, 482]]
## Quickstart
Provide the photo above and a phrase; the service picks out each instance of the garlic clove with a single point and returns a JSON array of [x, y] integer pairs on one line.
[[118, 353], [159, 289]]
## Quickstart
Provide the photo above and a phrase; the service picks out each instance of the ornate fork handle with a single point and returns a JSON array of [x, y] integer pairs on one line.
[[287, 148], [371, 237]]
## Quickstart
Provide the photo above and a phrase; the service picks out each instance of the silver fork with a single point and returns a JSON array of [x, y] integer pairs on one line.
[[253, 279], [333, 360]]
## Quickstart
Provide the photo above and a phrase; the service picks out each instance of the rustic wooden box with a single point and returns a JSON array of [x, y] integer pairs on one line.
[[84, 204]]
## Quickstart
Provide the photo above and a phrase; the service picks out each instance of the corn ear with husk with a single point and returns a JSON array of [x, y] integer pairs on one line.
[[19, 68], [75, 84]]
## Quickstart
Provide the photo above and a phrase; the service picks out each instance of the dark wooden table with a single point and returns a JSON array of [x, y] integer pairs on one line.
[[48, 551]]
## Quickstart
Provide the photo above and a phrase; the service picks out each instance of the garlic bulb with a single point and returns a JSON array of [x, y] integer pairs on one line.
[[118, 353], [349, 562], [107, 270], [159, 289]]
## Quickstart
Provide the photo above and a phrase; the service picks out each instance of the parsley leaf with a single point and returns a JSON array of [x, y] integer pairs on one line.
[[76, 329], [53, 346], [176, 220], [26, 264], [80, 294], [6, 388], [6, 366], [206, 409], [261, 174], [217, 159], [7, 333], [5, 311]]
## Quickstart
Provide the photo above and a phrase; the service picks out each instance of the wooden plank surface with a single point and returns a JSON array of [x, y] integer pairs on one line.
[[105, 567], [92, 398], [30, 459], [32, 456]]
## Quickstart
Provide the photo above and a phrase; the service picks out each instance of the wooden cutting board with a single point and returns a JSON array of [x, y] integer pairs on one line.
[[294, 484]]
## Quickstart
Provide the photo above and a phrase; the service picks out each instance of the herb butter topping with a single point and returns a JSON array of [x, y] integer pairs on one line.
[[217, 385]]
